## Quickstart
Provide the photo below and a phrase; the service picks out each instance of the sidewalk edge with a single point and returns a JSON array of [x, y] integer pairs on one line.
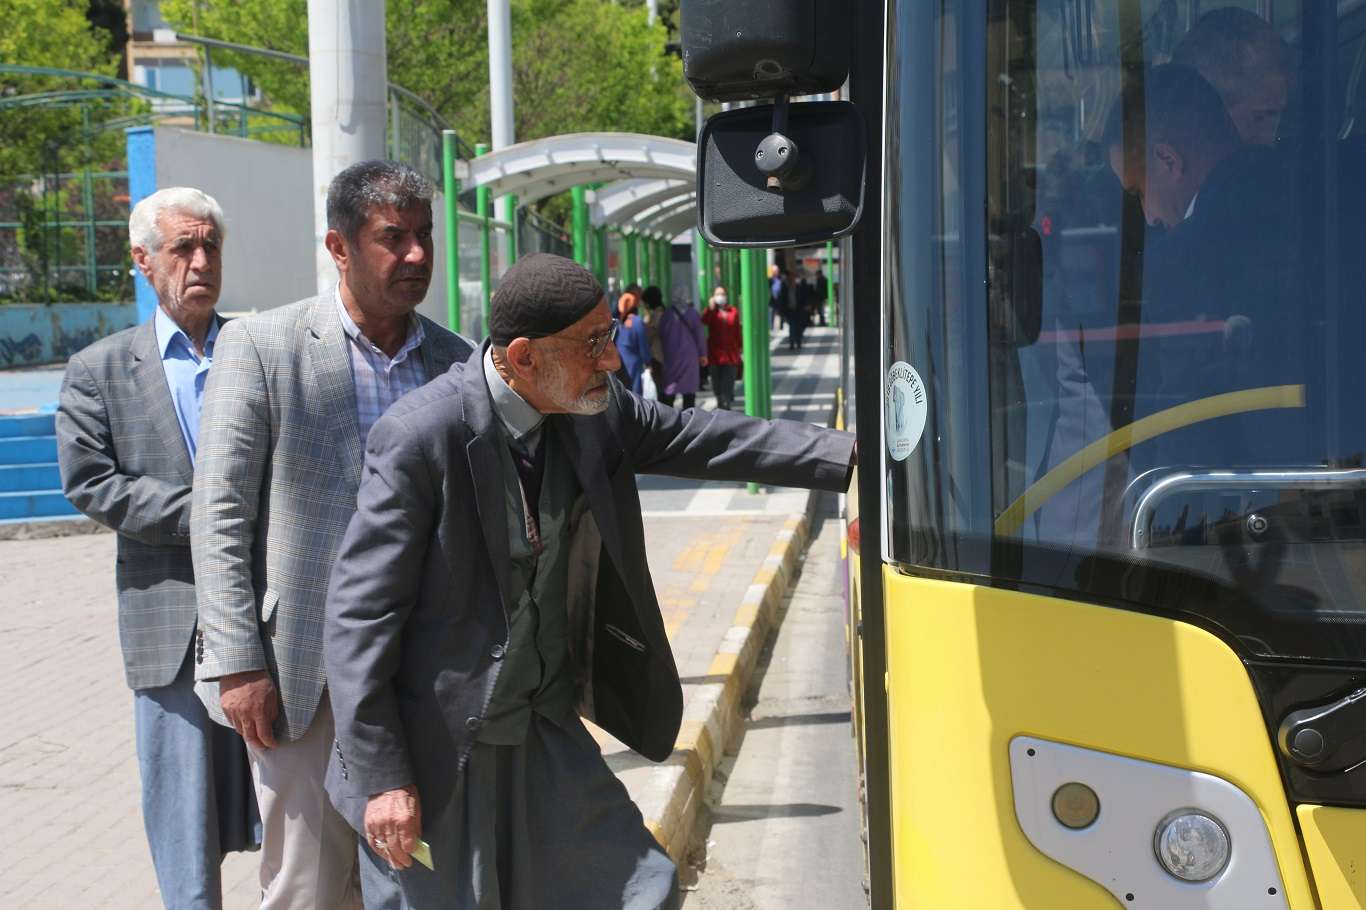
[[713, 715]]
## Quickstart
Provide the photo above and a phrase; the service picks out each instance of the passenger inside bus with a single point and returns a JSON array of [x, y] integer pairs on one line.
[[1249, 280], [1249, 65]]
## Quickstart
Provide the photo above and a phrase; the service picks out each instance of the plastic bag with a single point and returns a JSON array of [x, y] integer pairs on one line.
[[647, 387]]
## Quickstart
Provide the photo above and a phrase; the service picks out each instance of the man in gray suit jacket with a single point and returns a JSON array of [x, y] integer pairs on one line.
[[493, 587], [127, 430], [293, 394]]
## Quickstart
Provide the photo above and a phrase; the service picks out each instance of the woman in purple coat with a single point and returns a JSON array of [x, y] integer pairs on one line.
[[685, 349]]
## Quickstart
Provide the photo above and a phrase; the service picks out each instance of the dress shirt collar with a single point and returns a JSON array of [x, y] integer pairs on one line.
[[519, 418], [1190, 209], [416, 335], [167, 332]]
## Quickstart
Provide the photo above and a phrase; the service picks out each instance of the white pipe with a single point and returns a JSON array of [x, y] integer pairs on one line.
[[500, 85], [348, 75]]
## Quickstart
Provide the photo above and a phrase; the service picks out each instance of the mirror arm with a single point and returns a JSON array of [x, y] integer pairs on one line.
[[778, 158]]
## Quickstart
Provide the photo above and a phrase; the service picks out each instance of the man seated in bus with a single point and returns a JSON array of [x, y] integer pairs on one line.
[[1249, 65], [1222, 295]]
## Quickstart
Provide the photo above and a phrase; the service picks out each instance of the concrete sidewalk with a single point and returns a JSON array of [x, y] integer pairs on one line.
[[68, 774]]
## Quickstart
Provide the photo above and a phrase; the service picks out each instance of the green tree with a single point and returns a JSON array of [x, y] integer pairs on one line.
[[578, 65], [48, 33]]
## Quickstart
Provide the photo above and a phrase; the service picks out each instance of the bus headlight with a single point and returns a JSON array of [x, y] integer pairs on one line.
[[1191, 845]]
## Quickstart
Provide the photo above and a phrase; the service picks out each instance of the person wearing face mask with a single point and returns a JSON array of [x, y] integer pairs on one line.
[[292, 397], [724, 346], [493, 589]]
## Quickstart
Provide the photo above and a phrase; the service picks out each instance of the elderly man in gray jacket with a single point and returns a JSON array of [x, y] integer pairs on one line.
[[292, 397], [127, 432], [493, 588]]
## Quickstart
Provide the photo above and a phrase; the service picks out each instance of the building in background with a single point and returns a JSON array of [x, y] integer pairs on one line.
[[174, 67]]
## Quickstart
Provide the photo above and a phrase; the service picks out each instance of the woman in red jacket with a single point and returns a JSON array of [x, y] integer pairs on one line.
[[723, 346]]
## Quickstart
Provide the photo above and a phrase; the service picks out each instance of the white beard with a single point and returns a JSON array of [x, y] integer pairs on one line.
[[585, 405]]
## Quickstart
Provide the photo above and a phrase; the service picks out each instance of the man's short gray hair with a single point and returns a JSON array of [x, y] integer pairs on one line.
[[363, 187], [144, 229]]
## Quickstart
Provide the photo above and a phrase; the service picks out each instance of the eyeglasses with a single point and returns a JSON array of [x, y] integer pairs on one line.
[[597, 344]]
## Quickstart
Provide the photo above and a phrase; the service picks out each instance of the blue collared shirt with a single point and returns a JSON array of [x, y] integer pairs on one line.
[[380, 380], [186, 372]]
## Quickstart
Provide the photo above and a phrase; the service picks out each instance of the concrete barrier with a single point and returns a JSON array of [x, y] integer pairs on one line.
[[36, 334]]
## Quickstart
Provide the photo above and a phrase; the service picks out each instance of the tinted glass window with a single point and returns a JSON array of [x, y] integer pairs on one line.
[[1142, 333]]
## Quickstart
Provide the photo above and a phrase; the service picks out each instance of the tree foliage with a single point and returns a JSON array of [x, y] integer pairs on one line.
[[48, 33], [578, 65]]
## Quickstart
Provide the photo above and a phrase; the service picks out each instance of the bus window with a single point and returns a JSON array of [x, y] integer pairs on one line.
[[1181, 432]]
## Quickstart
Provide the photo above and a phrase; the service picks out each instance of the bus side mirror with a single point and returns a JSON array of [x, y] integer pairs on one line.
[[781, 174]]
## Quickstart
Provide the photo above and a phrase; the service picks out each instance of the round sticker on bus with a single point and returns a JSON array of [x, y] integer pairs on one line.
[[906, 408]]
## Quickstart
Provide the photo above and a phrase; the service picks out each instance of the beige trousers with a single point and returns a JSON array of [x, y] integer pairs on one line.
[[308, 854]]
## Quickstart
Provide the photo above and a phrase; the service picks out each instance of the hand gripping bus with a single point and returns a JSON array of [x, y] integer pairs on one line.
[[1103, 279]]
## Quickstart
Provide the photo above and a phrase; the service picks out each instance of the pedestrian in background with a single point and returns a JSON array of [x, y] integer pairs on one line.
[[492, 589], [633, 344], [685, 349], [288, 407], [127, 434], [799, 312], [724, 346], [777, 295], [822, 286]]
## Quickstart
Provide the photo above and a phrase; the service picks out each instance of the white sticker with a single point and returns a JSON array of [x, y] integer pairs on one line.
[[907, 407]]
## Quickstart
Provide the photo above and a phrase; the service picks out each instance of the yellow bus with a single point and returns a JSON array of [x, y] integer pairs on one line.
[[1103, 296]]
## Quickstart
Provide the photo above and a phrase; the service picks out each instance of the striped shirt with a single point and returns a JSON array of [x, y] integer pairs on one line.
[[380, 381]]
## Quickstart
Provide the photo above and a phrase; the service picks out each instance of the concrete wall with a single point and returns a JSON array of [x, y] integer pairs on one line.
[[265, 192], [34, 334]]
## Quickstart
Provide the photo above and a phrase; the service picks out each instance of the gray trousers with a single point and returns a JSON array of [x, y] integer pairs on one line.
[[540, 825], [197, 799]]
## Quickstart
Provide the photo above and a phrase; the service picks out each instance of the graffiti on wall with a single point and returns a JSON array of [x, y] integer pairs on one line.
[[27, 350]]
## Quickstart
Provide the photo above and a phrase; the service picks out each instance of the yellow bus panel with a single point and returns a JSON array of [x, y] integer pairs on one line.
[[971, 667], [1335, 840]]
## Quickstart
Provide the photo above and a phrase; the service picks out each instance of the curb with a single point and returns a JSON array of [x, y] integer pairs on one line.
[[713, 715], [41, 528]]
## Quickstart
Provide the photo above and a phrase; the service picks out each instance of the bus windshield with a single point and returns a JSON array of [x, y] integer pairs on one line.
[[1127, 273]]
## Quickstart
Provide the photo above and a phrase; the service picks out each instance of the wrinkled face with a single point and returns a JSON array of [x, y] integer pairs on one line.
[[1158, 179], [186, 271], [569, 379], [388, 267], [1257, 115]]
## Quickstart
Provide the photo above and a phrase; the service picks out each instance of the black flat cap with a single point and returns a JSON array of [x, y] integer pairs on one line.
[[540, 295]]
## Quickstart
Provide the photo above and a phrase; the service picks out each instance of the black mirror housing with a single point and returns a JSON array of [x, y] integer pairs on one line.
[[739, 51], [741, 203]]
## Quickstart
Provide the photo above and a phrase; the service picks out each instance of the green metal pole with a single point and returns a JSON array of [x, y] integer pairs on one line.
[[88, 203], [830, 282], [512, 218], [667, 268], [485, 230], [647, 272], [450, 190], [749, 340], [600, 244], [765, 331], [699, 269], [578, 194], [628, 242]]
